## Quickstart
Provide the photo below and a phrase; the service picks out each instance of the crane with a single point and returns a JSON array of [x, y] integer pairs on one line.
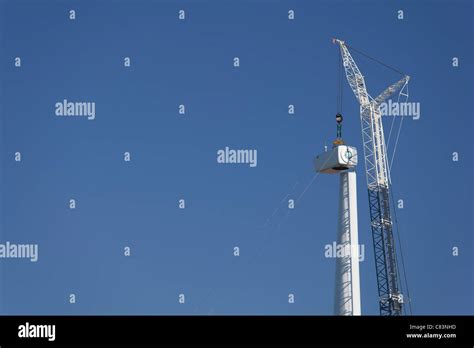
[[378, 183]]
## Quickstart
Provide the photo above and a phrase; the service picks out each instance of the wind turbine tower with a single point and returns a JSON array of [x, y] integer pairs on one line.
[[342, 160]]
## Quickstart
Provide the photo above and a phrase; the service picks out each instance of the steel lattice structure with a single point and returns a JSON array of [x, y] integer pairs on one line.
[[378, 183]]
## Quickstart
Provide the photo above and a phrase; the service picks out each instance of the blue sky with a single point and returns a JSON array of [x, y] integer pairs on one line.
[[189, 62]]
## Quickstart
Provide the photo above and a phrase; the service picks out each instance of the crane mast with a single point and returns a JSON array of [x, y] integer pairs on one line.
[[378, 183]]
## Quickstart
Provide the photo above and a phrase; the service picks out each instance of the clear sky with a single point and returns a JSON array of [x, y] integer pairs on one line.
[[190, 62]]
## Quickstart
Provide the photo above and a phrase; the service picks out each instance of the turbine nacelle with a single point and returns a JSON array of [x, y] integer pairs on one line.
[[339, 158]]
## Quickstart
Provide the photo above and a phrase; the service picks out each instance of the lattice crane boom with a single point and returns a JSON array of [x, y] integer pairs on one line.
[[378, 183]]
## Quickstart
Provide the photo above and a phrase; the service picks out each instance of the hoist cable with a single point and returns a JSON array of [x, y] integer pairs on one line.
[[376, 60], [402, 259]]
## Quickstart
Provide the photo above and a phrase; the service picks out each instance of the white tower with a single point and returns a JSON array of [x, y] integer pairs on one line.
[[342, 160]]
